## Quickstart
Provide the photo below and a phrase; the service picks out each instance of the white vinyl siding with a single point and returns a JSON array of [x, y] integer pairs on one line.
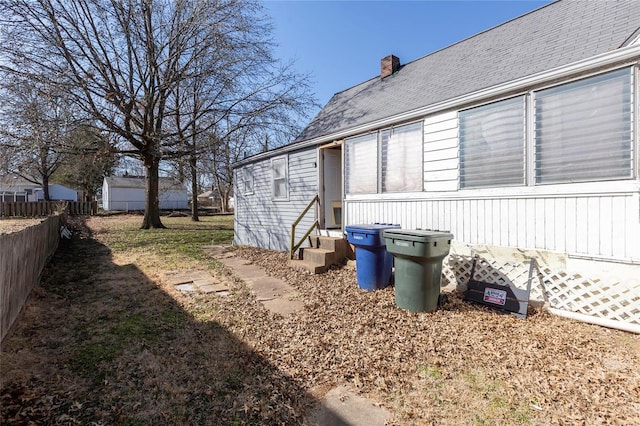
[[583, 130], [402, 158], [592, 225], [361, 165], [261, 221], [279, 172], [492, 144], [441, 152]]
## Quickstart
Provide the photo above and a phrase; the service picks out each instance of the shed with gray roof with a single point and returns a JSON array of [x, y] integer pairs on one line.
[[524, 137]]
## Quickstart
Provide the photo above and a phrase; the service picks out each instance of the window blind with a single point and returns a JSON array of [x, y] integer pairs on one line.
[[361, 164], [402, 158], [492, 144], [583, 130]]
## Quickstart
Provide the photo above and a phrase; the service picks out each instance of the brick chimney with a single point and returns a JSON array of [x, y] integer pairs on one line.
[[389, 65]]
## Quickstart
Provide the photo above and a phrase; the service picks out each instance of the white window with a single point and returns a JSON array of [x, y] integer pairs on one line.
[[279, 177], [362, 164], [492, 144], [402, 159], [583, 130], [385, 161], [246, 181]]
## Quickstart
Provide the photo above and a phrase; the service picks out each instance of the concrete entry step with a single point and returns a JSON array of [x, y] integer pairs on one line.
[[323, 252]]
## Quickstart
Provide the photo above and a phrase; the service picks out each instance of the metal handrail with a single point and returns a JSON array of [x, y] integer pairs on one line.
[[295, 246]]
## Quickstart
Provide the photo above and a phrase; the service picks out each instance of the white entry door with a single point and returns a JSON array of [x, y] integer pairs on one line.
[[332, 187]]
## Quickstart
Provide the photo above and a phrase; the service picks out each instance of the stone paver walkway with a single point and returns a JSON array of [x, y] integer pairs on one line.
[[340, 406], [275, 294]]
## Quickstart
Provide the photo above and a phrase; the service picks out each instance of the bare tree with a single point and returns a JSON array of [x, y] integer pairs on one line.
[[126, 61], [37, 122]]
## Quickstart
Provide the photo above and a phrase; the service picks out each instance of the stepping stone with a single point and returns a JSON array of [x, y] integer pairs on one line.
[[267, 288], [214, 288], [341, 407], [187, 288]]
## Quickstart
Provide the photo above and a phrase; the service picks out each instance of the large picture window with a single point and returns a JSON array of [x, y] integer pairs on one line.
[[279, 178], [385, 161], [583, 130], [492, 144]]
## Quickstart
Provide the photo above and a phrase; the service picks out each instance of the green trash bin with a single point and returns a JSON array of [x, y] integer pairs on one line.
[[418, 260]]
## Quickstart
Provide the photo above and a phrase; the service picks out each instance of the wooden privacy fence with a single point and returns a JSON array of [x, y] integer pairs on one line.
[[46, 208], [23, 256]]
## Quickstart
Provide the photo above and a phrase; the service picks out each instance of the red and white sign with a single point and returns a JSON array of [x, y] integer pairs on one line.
[[493, 295]]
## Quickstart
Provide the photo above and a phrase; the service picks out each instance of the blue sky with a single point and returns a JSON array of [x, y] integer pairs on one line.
[[340, 43]]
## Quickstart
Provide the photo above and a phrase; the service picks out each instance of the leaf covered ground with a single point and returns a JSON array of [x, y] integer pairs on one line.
[[104, 339]]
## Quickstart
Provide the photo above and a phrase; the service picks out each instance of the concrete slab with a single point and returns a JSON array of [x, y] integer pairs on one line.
[[267, 288], [234, 262], [187, 288], [214, 288], [204, 281], [341, 407], [176, 278]]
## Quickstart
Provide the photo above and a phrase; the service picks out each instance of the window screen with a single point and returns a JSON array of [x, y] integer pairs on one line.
[[402, 158], [279, 176], [583, 130], [362, 164], [492, 144]]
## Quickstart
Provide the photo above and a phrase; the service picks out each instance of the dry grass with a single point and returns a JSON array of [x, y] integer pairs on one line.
[[105, 340], [8, 226]]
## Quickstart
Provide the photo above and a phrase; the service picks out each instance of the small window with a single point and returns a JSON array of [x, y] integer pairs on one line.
[[362, 164], [279, 174], [402, 159], [246, 181], [492, 144], [583, 130]]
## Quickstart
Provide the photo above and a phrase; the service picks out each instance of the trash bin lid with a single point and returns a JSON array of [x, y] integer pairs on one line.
[[420, 235], [368, 235], [371, 227]]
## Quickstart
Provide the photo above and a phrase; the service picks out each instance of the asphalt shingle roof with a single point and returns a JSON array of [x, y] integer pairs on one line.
[[554, 35]]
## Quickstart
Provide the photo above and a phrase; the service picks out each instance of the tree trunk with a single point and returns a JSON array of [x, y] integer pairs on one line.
[[194, 189], [45, 187], [152, 185]]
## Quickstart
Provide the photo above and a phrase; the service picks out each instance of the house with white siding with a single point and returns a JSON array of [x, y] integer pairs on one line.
[[127, 193], [521, 138]]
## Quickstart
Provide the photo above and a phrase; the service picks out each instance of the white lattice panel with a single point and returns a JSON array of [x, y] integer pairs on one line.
[[614, 300], [611, 301], [457, 269]]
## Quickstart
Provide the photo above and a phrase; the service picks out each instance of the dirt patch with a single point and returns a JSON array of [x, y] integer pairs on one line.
[[106, 339]]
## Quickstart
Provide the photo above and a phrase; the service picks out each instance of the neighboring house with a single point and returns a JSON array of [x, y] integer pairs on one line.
[[211, 199], [57, 192], [127, 193], [524, 136], [18, 189]]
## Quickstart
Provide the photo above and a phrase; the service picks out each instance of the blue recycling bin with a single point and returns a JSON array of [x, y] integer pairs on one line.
[[373, 262]]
